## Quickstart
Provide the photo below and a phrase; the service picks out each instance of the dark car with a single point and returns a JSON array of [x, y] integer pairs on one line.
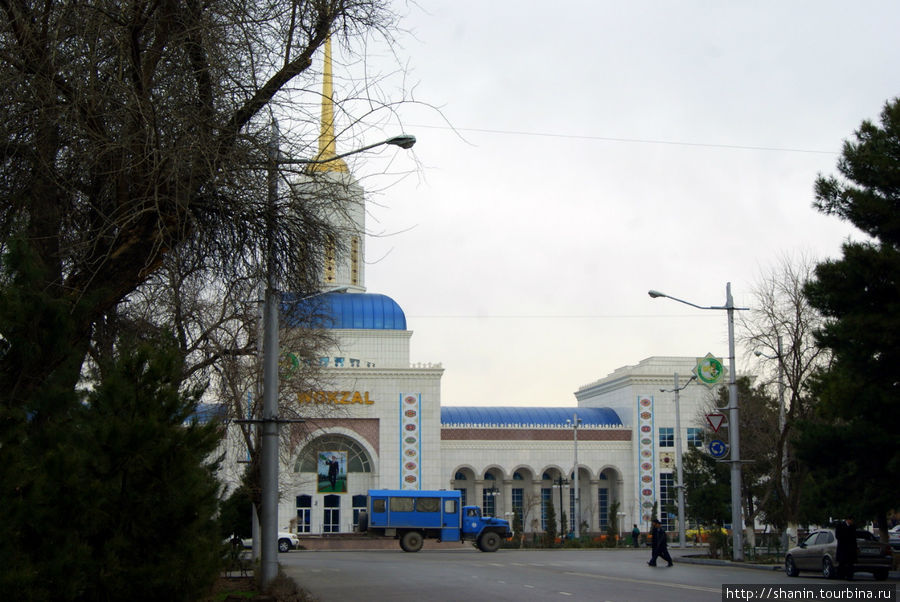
[[818, 552]]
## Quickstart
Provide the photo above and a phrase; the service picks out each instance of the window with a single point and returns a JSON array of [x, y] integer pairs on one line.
[[666, 500], [304, 506], [545, 501], [402, 504], [694, 437], [450, 506], [331, 522], [428, 504], [354, 260], [462, 496], [488, 501], [572, 518], [329, 262], [359, 504], [357, 457], [603, 507], [378, 505], [518, 496], [666, 436]]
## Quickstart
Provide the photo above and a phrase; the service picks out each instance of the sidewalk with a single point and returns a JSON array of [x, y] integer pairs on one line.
[[688, 556]]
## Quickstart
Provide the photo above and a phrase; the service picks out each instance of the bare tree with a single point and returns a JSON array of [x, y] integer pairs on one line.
[[137, 132], [780, 327]]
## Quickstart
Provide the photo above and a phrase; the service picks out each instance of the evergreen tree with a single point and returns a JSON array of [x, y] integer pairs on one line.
[[108, 494], [852, 446], [550, 530], [707, 488]]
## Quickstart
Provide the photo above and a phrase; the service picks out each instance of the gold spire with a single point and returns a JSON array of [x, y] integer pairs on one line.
[[327, 147]]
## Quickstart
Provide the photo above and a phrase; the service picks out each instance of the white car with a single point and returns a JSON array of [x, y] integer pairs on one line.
[[286, 542], [894, 537]]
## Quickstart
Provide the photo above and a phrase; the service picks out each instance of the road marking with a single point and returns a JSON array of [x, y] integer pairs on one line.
[[564, 594], [646, 581]]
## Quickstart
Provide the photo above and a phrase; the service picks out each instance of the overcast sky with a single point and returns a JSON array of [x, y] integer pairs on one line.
[[603, 149]]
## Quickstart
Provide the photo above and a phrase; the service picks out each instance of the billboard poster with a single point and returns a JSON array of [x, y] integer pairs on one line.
[[410, 441], [332, 470]]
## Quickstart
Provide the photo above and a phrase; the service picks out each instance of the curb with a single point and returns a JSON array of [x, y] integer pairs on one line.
[[730, 563]]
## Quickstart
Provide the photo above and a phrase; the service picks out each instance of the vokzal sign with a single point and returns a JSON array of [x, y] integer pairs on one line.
[[335, 397]]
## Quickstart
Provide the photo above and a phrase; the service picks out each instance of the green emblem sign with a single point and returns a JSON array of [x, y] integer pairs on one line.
[[709, 370]]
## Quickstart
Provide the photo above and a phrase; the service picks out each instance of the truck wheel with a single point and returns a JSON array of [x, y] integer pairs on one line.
[[489, 542], [411, 541], [363, 521]]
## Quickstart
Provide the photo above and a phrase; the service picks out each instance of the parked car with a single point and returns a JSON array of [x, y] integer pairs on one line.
[[286, 542], [894, 537], [818, 552]]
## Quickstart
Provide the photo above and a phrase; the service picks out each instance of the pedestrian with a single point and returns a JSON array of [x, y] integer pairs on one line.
[[635, 536], [660, 547], [845, 533]]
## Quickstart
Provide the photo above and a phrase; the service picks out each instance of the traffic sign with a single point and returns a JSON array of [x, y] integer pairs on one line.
[[717, 448], [709, 370], [715, 421]]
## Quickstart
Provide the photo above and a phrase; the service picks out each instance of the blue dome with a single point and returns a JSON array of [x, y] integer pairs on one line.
[[526, 416], [343, 310]]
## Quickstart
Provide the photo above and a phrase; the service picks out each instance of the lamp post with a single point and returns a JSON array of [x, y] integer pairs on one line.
[[574, 422], [680, 487], [560, 483], [737, 523], [269, 444]]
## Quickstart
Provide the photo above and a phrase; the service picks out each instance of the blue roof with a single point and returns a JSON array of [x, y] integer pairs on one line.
[[343, 310], [527, 416]]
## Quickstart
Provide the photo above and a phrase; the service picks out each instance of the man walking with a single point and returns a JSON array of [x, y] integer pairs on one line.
[[845, 533], [660, 547]]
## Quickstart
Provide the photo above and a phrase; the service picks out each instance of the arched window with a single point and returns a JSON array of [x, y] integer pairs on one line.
[[357, 458], [460, 476], [517, 476]]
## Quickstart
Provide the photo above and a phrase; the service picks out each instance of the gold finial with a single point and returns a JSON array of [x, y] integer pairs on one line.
[[327, 147]]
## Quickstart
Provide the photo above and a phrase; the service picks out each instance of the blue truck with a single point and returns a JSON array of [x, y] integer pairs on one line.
[[411, 516]]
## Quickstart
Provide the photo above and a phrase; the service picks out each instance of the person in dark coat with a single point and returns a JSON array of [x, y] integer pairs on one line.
[[333, 467], [845, 533], [660, 546], [635, 536]]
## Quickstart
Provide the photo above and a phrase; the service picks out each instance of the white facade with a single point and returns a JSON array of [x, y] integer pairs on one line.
[[378, 421]]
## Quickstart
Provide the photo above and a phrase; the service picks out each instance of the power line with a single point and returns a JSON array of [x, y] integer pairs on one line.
[[628, 140], [557, 316]]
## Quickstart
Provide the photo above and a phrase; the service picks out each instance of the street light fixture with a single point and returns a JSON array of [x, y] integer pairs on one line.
[[574, 423], [270, 421], [559, 484], [678, 456], [737, 523]]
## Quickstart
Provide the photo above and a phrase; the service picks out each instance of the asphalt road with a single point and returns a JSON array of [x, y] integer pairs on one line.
[[472, 576]]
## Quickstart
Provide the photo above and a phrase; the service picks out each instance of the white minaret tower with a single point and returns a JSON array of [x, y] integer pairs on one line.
[[344, 265]]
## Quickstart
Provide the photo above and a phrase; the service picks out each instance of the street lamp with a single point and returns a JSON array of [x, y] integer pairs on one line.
[[269, 444], [737, 522], [491, 492], [678, 456], [559, 484], [574, 422]]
